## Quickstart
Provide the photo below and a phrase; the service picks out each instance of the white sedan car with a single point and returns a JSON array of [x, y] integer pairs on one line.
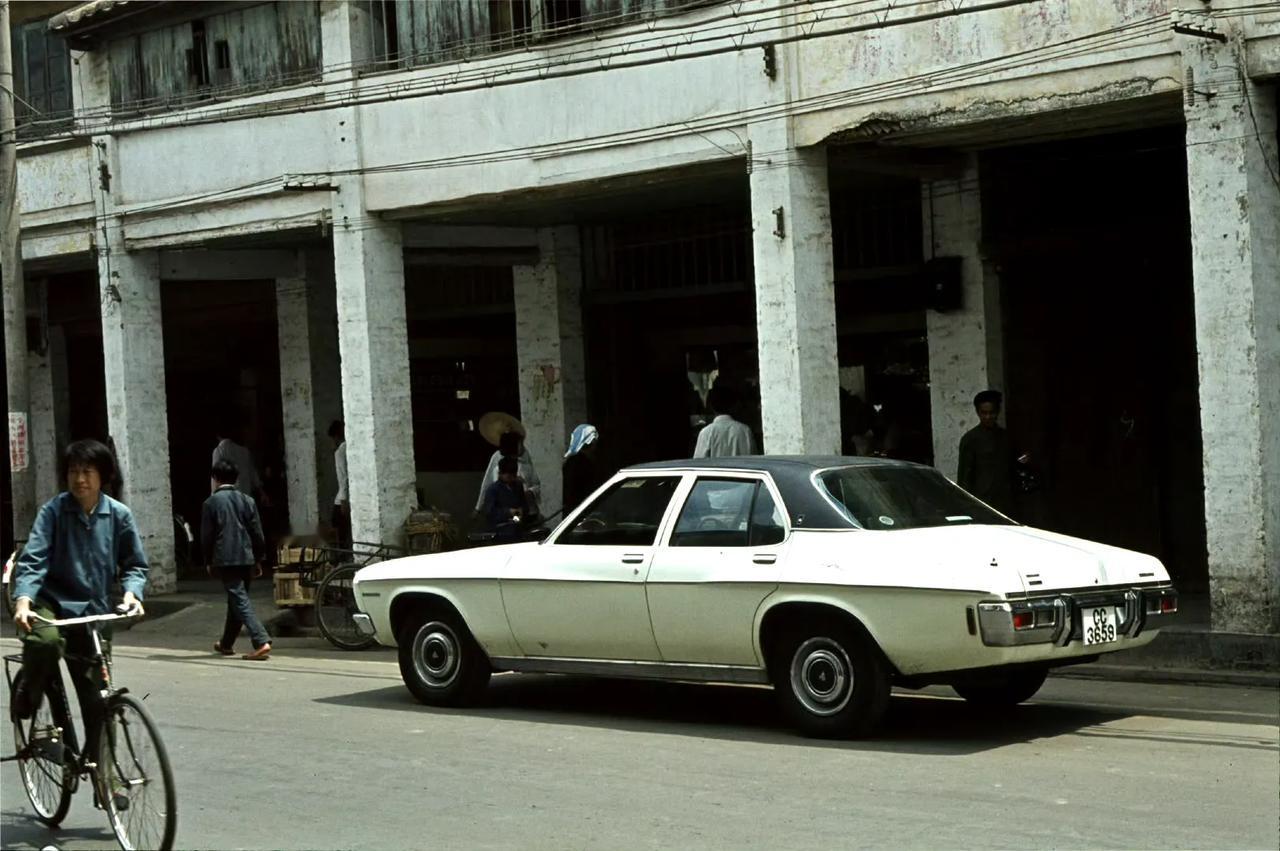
[[830, 579]]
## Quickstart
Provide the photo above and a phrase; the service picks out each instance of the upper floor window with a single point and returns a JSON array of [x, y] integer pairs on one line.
[[42, 79], [232, 53]]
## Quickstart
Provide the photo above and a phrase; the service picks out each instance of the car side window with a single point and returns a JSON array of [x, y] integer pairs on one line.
[[767, 526], [626, 515], [717, 513]]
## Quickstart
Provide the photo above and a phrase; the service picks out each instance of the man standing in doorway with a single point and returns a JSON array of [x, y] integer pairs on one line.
[[229, 450], [986, 455], [724, 436], [341, 516]]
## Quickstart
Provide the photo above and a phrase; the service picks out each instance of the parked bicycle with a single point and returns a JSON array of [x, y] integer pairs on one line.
[[130, 775], [330, 571]]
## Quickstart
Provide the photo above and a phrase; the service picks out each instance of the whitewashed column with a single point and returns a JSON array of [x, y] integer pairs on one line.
[[373, 340], [965, 344], [795, 295], [553, 397], [293, 320], [1232, 173], [133, 357]]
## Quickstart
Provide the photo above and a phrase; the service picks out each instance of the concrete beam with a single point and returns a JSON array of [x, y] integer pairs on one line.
[[418, 235], [206, 265]]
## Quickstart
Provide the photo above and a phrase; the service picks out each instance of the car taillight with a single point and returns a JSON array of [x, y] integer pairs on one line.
[[1168, 605], [1024, 620]]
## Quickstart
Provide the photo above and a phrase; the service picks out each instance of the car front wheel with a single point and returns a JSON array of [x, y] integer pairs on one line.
[[1006, 690], [441, 663], [832, 681]]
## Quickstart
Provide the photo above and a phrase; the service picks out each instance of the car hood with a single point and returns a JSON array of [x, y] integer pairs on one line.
[[1044, 561]]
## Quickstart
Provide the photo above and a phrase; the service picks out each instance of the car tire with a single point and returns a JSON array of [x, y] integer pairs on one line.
[[1005, 690], [831, 679], [441, 663]]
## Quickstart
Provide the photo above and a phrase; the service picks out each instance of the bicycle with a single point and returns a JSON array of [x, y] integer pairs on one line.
[[335, 598], [131, 776]]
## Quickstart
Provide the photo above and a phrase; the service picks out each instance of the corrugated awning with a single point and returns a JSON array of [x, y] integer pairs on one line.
[[89, 14]]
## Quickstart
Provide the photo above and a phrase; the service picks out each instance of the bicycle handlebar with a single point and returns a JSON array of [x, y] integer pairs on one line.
[[119, 616]]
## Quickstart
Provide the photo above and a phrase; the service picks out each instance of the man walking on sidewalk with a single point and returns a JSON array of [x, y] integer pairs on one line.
[[231, 536]]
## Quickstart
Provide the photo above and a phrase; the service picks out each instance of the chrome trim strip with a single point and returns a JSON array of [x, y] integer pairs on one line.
[[632, 670]]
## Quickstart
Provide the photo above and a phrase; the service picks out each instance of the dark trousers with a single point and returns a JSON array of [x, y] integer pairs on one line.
[[43, 648], [340, 520], [235, 579]]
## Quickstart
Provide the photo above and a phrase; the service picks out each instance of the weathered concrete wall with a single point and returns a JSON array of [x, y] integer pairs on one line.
[[965, 345], [668, 113], [553, 391], [1232, 166]]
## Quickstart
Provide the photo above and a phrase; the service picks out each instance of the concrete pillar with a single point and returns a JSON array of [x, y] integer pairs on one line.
[[1232, 176], [133, 356], [966, 351], [795, 294], [553, 392], [47, 383], [373, 339], [326, 370], [293, 332]]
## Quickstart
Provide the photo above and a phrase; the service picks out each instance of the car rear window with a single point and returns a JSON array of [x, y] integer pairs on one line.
[[891, 498]]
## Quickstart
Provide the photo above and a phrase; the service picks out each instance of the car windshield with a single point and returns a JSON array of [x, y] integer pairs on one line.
[[887, 498]]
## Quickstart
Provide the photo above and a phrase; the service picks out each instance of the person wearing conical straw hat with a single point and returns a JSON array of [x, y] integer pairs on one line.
[[507, 433]]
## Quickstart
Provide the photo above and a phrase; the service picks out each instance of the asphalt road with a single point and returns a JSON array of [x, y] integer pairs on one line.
[[318, 749]]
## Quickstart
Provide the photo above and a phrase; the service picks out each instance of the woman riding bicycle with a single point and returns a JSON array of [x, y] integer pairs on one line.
[[78, 541]]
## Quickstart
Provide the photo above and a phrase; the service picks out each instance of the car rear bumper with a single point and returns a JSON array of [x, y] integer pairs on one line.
[[1058, 618]]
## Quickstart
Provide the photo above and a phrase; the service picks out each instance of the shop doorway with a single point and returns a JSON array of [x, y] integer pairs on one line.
[[1099, 333]]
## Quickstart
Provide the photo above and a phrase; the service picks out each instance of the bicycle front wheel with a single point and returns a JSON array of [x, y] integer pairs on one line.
[[335, 604], [42, 758], [135, 781]]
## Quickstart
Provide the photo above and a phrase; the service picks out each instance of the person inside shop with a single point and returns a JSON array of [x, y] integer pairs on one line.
[[986, 456], [581, 471], [505, 504], [724, 436], [511, 445]]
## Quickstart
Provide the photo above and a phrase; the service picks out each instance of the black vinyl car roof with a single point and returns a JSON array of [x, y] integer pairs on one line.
[[806, 504]]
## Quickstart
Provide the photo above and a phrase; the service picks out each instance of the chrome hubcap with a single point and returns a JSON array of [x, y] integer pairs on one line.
[[435, 654], [822, 676]]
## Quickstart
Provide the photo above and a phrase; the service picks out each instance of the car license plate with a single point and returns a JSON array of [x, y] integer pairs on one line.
[[1100, 625]]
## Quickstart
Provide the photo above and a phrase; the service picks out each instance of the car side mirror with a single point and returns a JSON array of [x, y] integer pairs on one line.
[[540, 534]]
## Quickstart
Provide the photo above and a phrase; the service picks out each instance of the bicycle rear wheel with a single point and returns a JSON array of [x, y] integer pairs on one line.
[[42, 756], [335, 604], [135, 780]]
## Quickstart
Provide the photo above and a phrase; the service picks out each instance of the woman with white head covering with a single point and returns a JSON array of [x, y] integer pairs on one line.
[[581, 472]]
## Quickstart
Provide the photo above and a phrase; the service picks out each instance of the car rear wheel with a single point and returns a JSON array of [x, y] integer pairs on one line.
[[441, 663], [1005, 690], [832, 680]]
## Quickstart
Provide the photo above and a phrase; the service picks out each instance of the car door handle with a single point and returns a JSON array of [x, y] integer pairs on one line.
[[633, 558], [764, 558]]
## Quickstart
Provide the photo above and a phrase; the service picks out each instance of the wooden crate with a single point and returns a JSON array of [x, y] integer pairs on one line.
[[299, 555], [290, 592]]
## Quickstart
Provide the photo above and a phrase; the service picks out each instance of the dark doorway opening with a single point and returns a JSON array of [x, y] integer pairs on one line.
[[222, 370], [1091, 238]]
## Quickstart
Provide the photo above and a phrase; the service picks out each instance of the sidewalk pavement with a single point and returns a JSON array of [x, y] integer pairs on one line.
[[1186, 652]]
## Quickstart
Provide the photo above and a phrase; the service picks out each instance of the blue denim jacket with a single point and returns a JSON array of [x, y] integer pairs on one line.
[[71, 557]]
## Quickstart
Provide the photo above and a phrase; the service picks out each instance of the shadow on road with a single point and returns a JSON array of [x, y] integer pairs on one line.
[[922, 724], [25, 831]]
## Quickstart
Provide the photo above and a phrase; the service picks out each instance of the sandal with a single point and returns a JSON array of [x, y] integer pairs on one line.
[[218, 648], [259, 654]]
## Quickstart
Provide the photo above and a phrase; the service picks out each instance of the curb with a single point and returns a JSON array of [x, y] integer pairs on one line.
[[1172, 676]]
